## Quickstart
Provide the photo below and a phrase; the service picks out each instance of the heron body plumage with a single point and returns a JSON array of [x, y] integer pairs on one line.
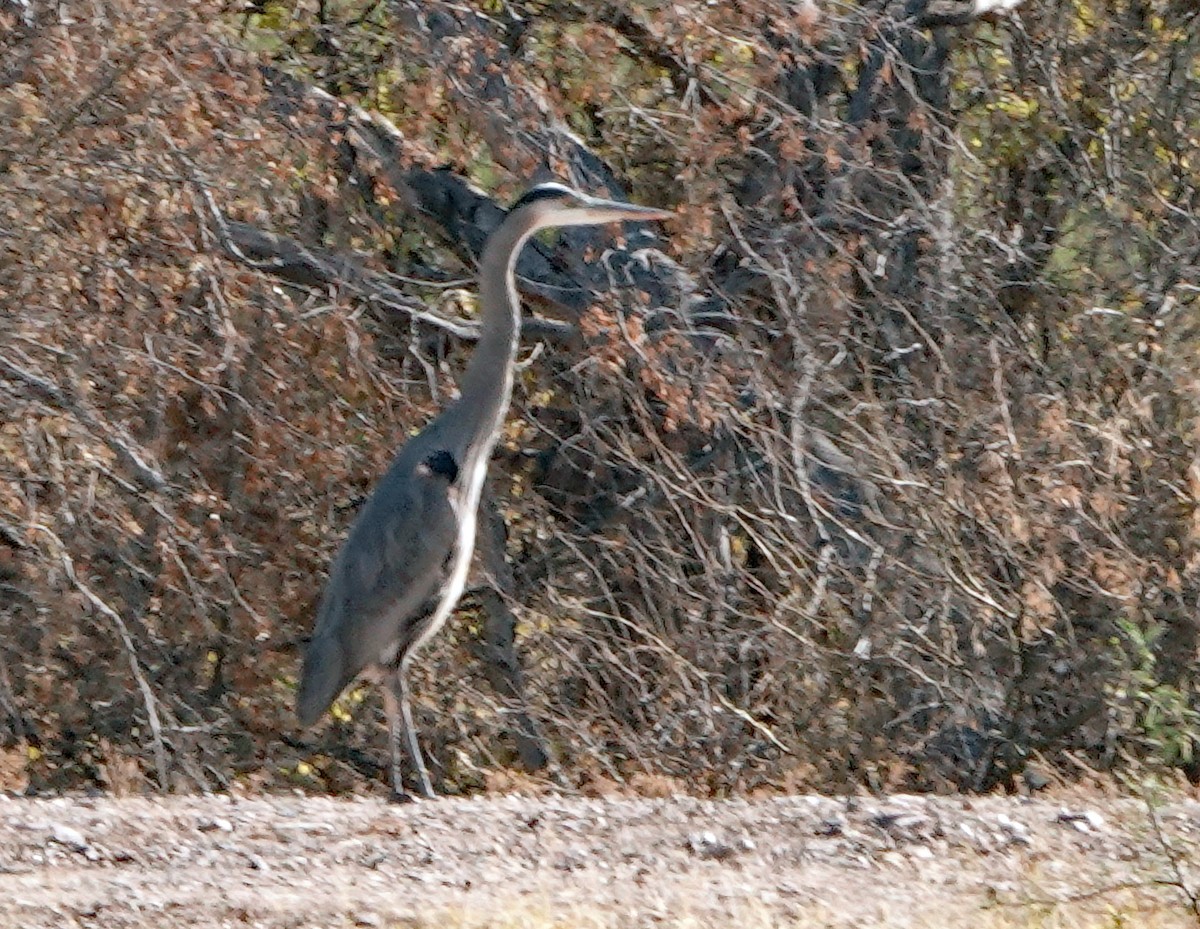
[[404, 565], [388, 572]]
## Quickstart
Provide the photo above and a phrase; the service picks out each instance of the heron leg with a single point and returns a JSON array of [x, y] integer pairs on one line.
[[391, 707], [397, 695]]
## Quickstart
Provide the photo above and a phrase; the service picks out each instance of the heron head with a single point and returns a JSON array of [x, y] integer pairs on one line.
[[559, 205]]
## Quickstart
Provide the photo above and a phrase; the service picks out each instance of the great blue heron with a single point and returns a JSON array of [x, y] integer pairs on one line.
[[402, 569]]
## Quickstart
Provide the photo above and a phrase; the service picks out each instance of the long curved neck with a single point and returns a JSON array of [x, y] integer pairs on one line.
[[486, 385]]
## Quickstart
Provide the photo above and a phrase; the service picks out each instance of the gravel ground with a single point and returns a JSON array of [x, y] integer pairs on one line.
[[551, 861]]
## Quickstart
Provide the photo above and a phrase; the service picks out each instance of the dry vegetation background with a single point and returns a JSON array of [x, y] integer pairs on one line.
[[878, 466]]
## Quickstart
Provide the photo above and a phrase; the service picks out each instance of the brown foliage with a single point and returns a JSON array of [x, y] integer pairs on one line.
[[894, 485]]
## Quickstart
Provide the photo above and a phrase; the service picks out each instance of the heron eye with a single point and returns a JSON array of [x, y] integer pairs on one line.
[[442, 464]]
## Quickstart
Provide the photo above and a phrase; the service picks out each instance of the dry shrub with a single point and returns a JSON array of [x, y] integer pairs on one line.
[[902, 495]]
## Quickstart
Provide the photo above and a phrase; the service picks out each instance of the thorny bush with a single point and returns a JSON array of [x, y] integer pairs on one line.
[[892, 482]]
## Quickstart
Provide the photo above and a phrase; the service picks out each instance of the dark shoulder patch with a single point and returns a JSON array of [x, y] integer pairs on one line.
[[442, 464], [543, 192]]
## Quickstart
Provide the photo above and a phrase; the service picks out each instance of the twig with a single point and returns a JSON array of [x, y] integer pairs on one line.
[[50, 392], [8, 701], [98, 84], [148, 699], [1180, 880]]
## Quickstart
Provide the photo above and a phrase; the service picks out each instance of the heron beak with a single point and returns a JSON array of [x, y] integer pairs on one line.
[[599, 210]]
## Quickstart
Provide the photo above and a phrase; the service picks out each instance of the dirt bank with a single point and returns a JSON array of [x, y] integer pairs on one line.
[[293, 861]]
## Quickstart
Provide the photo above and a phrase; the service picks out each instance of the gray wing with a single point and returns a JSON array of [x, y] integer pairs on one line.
[[383, 579]]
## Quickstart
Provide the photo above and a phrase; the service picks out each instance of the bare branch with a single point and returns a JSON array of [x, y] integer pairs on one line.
[[135, 665], [123, 446], [310, 266]]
